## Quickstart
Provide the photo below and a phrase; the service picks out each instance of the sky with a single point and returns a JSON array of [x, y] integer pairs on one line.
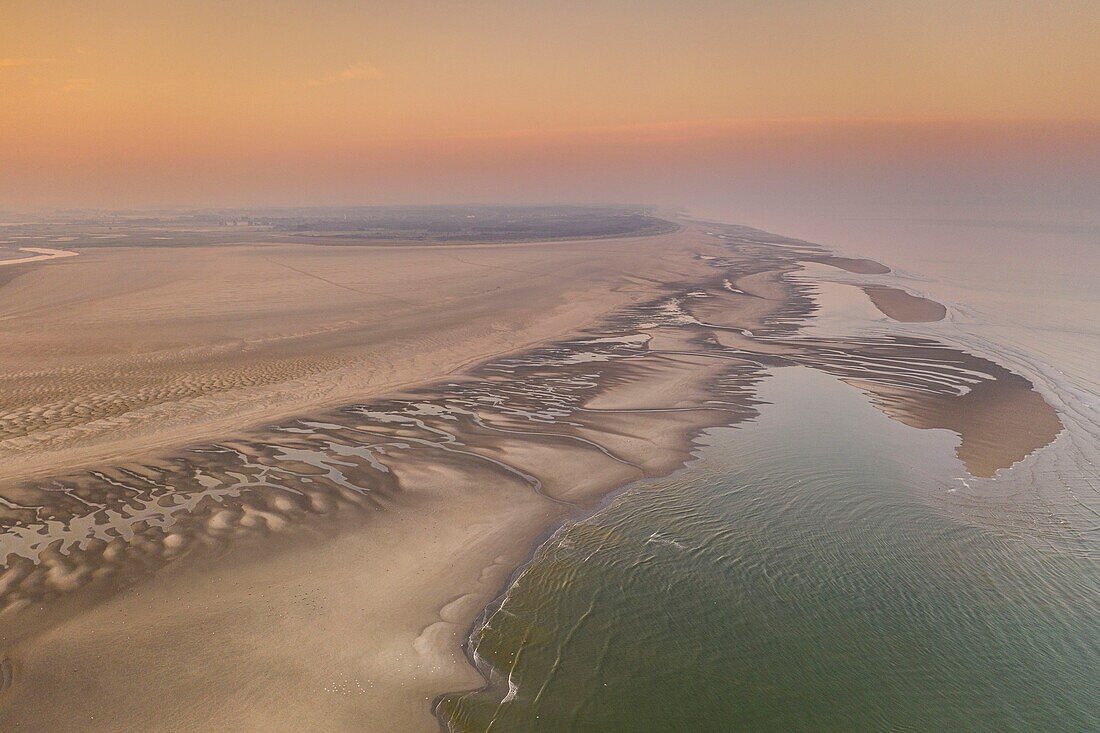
[[155, 103]]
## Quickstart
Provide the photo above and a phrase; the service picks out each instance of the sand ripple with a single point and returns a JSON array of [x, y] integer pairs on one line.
[[667, 367]]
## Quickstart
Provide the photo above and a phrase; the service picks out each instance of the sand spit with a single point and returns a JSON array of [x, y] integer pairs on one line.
[[38, 254], [323, 569], [858, 266], [903, 306]]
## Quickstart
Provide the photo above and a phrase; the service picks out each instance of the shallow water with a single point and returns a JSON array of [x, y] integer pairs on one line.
[[1022, 284], [803, 574], [825, 567]]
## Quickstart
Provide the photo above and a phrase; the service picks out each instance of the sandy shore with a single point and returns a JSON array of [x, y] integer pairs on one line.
[[283, 498]]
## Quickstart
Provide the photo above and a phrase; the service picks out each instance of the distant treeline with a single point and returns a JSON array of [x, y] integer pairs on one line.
[[478, 224]]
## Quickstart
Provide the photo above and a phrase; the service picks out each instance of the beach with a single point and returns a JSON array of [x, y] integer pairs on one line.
[[289, 494]]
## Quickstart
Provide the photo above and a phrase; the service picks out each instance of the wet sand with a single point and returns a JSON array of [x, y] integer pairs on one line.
[[298, 525]]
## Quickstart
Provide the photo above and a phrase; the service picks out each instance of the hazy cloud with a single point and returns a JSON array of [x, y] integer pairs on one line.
[[20, 62], [354, 72], [77, 85]]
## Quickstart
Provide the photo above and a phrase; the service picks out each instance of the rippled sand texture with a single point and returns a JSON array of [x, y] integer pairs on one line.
[[323, 570], [124, 349]]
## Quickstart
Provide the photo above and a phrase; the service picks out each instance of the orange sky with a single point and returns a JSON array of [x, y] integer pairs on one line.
[[116, 104]]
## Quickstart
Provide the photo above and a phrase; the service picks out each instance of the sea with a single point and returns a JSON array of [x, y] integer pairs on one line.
[[824, 567]]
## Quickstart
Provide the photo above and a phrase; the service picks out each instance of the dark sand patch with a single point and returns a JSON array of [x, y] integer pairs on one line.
[[859, 266], [1000, 422], [998, 415], [904, 307]]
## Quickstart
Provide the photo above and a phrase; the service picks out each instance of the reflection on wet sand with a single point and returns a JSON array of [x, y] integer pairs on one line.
[[566, 423]]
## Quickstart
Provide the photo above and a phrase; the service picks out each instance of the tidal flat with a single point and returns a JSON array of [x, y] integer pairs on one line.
[[299, 490]]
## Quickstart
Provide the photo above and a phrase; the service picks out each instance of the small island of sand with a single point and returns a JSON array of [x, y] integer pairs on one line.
[[903, 306]]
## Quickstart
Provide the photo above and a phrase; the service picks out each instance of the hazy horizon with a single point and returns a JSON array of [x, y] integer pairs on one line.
[[127, 106]]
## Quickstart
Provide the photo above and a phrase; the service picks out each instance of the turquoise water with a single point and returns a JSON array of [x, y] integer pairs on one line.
[[803, 574]]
